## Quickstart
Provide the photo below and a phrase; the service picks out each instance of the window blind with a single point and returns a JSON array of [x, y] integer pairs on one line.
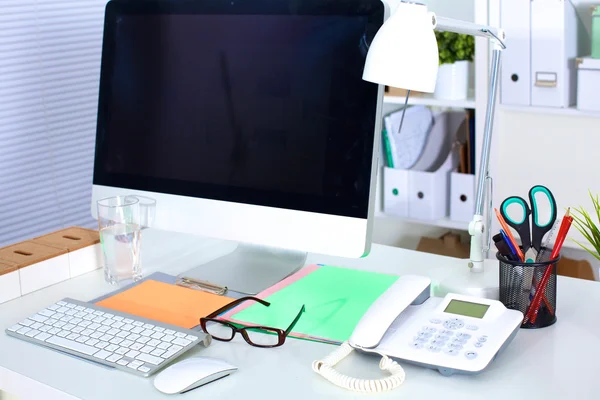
[[49, 73]]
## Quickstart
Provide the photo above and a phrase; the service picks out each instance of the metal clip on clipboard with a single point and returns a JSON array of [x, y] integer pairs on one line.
[[201, 285]]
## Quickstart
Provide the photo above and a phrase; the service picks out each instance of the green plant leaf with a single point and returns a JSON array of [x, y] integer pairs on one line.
[[595, 254]]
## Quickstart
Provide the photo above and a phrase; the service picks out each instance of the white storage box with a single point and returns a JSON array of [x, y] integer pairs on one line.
[[588, 84], [395, 191], [39, 265], [462, 196], [82, 245], [10, 287]]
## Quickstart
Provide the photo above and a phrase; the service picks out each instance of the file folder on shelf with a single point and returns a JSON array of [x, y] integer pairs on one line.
[[515, 86]]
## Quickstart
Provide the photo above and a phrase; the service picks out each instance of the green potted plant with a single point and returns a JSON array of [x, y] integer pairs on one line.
[[584, 222], [456, 52]]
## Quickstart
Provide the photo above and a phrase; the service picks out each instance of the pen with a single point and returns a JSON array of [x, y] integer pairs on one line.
[[503, 248], [562, 234], [509, 234]]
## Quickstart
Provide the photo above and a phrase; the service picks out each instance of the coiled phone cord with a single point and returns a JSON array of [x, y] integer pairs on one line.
[[325, 368]]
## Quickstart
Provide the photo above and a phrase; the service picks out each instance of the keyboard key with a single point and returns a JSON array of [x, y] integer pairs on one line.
[[43, 336], [75, 321], [45, 328], [150, 359], [116, 340], [168, 338], [143, 340], [114, 358], [164, 345], [133, 337], [82, 339], [73, 336], [170, 353], [32, 333], [53, 307], [86, 332], [98, 320], [122, 350], [112, 331], [89, 317], [122, 362], [136, 346], [126, 343], [63, 334], [63, 310], [159, 329], [70, 305], [147, 332], [122, 334], [80, 308], [181, 342], [101, 345], [68, 327], [80, 314], [51, 321], [135, 364], [117, 325], [127, 327], [118, 318], [66, 318], [47, 313], [108, 322], [59, 324], [103, 329], [157, 335], [92, 342], [97, 335], [71, 345], [128, 320], [37, 325], [191, 337], [38, 318], [78, 329], [138, 323], [153, 343], [148, 326], [107, 315], [54, 331], [89, 310], [111, 347], [107, 338], [180, 334], [61, 303], [132, 354], [98, 312], [157, 352], [102, 354], [94, 326], [169, 331], [137, 329], [27, 322], [147, 349], [71, 313], [144, 369], [175, 348]]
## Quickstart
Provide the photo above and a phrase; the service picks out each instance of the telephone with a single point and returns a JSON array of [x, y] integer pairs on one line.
[[454, 334]]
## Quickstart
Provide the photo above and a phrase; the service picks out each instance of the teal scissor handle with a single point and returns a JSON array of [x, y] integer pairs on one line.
[[538, 230], [522, 226]]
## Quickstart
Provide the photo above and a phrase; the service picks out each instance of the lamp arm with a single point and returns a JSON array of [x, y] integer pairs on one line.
[[477, 226], [496, 35]]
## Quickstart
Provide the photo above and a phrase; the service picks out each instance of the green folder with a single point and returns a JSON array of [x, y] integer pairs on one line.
[[335, 298]]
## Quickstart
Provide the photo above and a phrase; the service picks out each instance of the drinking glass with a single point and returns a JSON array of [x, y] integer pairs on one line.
[[147, 211], [120, 235]]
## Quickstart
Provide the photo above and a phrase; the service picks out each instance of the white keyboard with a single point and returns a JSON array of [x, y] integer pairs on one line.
[[112, 338]]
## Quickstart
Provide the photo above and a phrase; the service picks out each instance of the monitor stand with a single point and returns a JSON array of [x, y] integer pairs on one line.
[[249, 269]]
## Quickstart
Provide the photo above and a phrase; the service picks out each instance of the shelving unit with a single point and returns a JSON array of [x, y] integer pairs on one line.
[[440, 223], [573, 111], [427, 99]]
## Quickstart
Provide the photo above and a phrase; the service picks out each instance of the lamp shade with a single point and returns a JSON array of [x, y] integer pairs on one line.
[[404, 52]]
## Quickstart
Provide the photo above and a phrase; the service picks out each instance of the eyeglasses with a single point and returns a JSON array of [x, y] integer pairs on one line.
[[258, 336]]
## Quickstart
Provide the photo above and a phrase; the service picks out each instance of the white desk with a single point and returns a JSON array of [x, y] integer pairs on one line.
[[558, 362]]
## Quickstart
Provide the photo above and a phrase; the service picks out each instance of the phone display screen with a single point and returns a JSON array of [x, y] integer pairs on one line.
[[466, 308]]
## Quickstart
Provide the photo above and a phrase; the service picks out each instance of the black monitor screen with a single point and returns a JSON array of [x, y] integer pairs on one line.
[[260, 103]]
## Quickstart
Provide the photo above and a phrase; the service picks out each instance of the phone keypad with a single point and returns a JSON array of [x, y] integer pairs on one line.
[[451, 341]]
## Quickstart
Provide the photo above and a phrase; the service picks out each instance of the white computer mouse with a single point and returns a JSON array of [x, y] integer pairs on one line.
[[191, 373]]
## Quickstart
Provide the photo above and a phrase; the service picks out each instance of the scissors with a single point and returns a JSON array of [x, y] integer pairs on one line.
[[531, 233]]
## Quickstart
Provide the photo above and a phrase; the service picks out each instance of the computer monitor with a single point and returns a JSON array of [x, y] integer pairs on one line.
[[247, 120]]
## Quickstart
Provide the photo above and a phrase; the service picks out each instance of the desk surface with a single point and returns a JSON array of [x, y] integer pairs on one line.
[[552, 363]]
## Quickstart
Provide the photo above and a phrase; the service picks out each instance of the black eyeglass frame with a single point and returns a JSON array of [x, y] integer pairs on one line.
[[281, 334]]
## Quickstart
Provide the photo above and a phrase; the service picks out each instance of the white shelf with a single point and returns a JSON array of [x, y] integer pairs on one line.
[[442, 223], [428, 100], [551, 110]]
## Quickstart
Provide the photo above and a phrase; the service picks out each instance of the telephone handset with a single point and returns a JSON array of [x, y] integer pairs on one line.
[[454, 334]]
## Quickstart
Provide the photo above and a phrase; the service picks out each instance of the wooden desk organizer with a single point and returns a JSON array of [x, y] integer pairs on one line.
[[43, 261]]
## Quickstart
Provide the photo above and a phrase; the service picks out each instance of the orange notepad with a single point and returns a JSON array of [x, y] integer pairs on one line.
[[166, 303]]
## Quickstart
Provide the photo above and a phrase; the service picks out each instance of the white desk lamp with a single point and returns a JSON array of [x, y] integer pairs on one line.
[[404, 54]]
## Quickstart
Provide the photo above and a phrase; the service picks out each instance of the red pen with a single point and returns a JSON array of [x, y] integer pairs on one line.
[[535, 303]]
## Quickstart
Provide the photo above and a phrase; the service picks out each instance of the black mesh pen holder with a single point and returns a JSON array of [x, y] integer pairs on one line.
[[519, 282]]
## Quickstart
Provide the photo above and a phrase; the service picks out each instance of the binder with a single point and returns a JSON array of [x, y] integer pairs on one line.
[[515, 83], [555, 44]]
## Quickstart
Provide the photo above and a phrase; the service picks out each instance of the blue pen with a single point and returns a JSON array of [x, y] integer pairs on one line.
[[518, 270]]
